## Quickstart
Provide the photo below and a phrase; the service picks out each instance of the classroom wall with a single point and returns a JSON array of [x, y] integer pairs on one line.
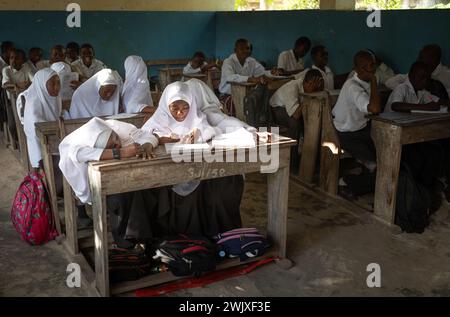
[[115, 35], [119, 5], [398, 41]]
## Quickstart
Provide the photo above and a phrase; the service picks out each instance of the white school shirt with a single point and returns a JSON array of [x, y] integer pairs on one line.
[[3, 64], [188, 69], [88, 72], [405, 93], [328, 77], [15, 76], [351, 107], [287, 96], [233, 71], [289, 62], [442, 73]]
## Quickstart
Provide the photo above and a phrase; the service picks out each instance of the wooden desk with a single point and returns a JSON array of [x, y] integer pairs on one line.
[[208, 78], [390, 131], [49, 138], [107, 178], [169, 75], [240, 90]]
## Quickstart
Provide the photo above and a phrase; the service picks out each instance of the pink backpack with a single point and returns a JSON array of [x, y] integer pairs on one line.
[[31, 214]]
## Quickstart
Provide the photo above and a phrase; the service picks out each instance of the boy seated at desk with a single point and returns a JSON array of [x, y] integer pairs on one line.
[[438, 82], [240, 67], [287, 108], [319, 55], [358, 98], [383, 73], [423, 158], [291, 62], [17, 76], [197, 65]]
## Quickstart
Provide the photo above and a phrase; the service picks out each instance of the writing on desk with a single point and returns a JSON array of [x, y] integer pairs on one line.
[[237, 149], [209, 172]]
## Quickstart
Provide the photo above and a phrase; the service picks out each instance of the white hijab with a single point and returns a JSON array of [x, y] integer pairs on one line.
[[64, 71], [86, 101], [91, 135], [40, 107], [208, 103], [136, 89], [163, 123]]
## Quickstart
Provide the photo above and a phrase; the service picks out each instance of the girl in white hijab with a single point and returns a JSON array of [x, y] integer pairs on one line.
[[42, 104], [136, 89], [95, 141], [208, 207], [65, 75], [98, 96]]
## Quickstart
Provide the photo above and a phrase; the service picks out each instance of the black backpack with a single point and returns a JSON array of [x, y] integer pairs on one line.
[[187, 255], [256, 107], [413, 201], [129, 265]]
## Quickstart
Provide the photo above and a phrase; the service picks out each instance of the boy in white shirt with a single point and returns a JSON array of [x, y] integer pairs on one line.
[[291, 62], [17, 76], [358, 98], [7, 48], [240, 67], [87, 65], [197, 64], [72, 52], [411, 94], [287, 108]]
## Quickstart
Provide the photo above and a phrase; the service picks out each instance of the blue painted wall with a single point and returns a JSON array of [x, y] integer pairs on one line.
[[115, 35], [398, 41], [158, 35]]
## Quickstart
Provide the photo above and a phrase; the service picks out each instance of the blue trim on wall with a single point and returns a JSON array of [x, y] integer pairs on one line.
[[398, 41], [161, 35]]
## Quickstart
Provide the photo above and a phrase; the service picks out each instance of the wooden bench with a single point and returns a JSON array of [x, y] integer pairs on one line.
[[240, 90], [106, 178], [208, 78], [168, 73]]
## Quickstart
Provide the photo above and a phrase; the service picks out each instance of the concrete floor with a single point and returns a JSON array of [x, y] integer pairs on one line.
[[329, 244]]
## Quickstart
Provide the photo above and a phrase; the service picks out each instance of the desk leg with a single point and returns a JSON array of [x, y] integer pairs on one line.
[[313, 124], [277, 200], [70, 219], [50, 177], [238, 94], [387, 139], [100, 234]]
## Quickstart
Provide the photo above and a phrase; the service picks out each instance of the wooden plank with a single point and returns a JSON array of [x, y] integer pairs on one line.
[[100, 233], [277, 205], [175, 61], [23, 148], [426, 131], [166, 277], [329, 152], [70, 218], [387, 139], [409, 119], [238, 93], [312, 118]]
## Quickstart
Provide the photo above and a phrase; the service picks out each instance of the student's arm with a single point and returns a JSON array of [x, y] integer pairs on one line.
[[6, 80], [374, 106], [125, 152], [230, 76]]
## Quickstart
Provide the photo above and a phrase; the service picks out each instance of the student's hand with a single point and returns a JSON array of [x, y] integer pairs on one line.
[[169, 139], [23, 85], [131, 150], [148, 151], [148, 112], [277, 71], [298, 113], [191, 137], [74, 84]]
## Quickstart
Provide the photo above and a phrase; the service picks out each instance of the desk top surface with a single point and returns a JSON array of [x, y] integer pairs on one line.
[[163, 157], [410, 119]]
